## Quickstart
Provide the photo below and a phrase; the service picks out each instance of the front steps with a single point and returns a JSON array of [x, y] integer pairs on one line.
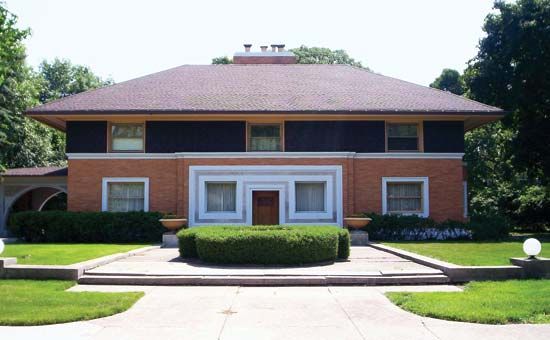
[[264, 280]]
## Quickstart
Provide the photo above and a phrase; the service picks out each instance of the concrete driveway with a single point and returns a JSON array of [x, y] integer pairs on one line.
[[270, 313]]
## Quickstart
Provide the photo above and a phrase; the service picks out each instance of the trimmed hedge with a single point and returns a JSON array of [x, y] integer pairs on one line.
[[415, 228], [344, 243], [86, 227], [264, 244]]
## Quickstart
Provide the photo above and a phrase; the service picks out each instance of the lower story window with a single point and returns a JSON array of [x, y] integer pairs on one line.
[[123, 195], [310, 196], [221, 196], [407, 196]]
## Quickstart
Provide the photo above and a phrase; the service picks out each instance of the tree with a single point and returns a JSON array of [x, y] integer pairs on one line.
[[222, 60], [512, 71], [323, 55], [26, 142], [449, 80], [62, 78], [16, 91]]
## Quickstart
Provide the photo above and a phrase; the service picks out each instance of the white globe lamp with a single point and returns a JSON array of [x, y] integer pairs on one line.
[[532, 247]]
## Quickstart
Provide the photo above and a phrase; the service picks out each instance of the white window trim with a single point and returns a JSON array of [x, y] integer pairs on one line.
[[465, 194], [105, 189], [197, 179], [293, 214], [425, 193], [213, 215]]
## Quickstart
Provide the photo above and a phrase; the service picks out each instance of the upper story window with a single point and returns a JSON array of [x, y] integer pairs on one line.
[[264, 137], [127, 137], [402, 137]]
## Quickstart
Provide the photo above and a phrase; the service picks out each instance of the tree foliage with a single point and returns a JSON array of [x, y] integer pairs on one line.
[[449, 80], [509, 161], [17, 88], [62, 78], [222, 60], [512, 71], [323, 55], [26, 142]]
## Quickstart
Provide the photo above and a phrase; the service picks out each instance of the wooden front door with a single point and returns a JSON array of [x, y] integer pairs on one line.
[[265, 207]]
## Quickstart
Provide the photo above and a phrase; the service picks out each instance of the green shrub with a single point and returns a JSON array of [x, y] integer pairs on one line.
[[86, 227], [187, 245], [344, 243], [264, 244], [489, 227]]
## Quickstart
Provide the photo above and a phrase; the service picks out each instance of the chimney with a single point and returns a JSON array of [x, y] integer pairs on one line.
[[277, 55]]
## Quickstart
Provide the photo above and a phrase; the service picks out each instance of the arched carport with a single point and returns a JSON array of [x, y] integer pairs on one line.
[[29, 189]]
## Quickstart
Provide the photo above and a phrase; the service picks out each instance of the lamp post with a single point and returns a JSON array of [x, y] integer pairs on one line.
[[532, 248]]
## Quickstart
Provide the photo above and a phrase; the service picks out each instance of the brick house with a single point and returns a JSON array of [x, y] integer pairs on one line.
[[267, 141]]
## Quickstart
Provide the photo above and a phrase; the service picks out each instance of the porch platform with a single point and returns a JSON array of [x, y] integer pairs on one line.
[[366, 266]]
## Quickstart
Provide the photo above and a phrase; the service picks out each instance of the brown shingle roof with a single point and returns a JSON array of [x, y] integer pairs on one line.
[[40, 171], [256, 88]]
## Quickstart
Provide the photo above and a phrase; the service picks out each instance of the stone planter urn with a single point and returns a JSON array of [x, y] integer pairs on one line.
[[356, 222], [173, 224], [358, 237]]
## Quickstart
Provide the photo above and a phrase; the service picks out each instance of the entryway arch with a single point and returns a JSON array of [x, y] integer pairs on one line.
[[29, 189]]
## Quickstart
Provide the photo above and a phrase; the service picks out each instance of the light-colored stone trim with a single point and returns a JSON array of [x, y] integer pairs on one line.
[[382, 155], [455, 272]]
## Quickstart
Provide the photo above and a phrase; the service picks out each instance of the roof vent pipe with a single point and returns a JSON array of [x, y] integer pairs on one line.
[[273, 47], [281, 48], [247, 47], [263, 48]]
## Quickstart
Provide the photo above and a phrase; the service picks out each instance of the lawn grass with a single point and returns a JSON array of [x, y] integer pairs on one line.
[[515, 301], [469, 253], [26, 303], [62, 254]]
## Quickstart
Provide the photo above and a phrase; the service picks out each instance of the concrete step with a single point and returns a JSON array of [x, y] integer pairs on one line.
[[175, 280], [429, 272]]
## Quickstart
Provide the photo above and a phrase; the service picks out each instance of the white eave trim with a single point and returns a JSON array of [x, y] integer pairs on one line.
[[386, 155], [411, 155]]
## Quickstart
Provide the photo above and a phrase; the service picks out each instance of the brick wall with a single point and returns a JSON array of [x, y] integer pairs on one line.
[[362, 181], [445, 183], [85, 178]]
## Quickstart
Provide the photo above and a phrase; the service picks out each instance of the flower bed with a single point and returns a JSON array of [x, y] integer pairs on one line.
[[264, 244]]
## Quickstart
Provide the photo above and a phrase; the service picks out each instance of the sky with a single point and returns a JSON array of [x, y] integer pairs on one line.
[[120, 39]]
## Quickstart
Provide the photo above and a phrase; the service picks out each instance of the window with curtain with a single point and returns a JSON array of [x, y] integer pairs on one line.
[[221, 197], [126, 137], [404, 197], [402, 137], [264, 137], [123, 197], [310, 196]]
